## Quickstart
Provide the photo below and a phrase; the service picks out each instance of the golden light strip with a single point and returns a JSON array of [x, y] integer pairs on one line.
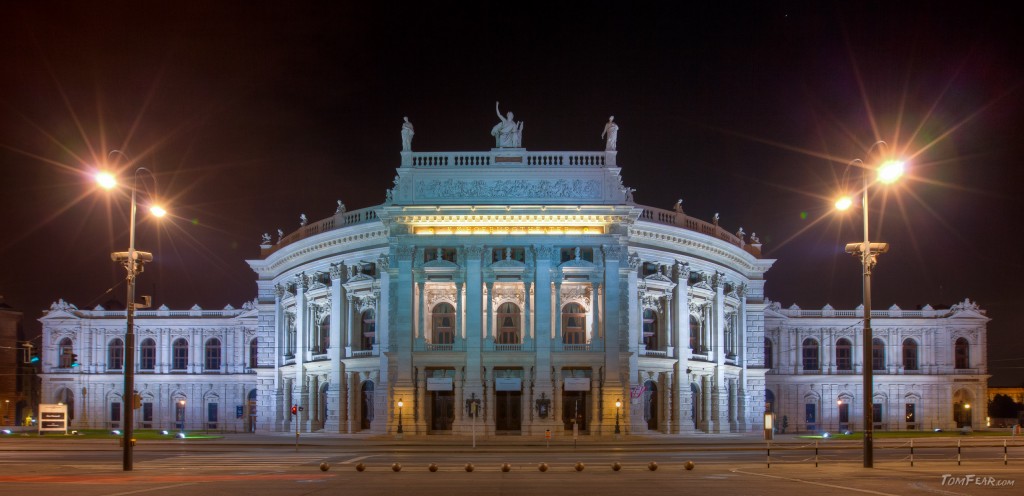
[[467, 230]]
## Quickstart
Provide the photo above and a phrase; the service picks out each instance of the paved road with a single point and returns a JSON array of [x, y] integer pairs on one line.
[[272, 466]]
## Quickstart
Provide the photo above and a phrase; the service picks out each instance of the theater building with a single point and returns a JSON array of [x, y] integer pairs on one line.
[[504, 291]]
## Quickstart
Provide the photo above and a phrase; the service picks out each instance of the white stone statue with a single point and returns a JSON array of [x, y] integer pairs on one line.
[[266, 239], [715, 218], [507, 133], [303, 220], [611, 130], [407, 133], [341, 208], [679, 206], [280, 235]]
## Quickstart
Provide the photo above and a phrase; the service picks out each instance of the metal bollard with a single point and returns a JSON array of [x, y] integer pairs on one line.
[[815, 454], [911, 452], [1004, 452], [958, 452], [769, 454]]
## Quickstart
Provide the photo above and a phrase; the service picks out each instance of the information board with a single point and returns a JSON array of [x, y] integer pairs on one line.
[[53, 418]]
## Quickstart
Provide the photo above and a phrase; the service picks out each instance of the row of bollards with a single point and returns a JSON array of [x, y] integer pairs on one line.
[[507, 467]]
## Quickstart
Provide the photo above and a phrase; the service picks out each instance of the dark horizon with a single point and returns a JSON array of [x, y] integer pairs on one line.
[[250, 115]]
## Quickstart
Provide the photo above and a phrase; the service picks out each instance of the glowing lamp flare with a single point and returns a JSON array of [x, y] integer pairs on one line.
[[157, 211], [844, 203], [106, 180], [890, 171]]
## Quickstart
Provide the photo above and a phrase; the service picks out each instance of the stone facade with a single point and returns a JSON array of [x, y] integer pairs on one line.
[[930, 368], [501, 292]]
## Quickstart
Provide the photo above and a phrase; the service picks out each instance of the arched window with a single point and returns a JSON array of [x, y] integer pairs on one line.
[[574, 321], [443, 318], [877, 354], [769, 356], [696, 343], [147, 354], [291, 337], [729, 335], [254, 348], [844, 354], [65, 350], [508, 324], [909, 354], [962, 354], [179, 354], [369, 330], [810, 354], [650, 329], [212, 354], [115, 354]]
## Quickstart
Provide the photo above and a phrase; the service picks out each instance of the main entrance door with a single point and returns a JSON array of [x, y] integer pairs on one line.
[[509, 410], [442, 410], [574, 409]]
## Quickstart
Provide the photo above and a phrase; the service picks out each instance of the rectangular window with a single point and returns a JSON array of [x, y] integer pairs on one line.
[[843, 357], [811, 416], [147, 415], [844, 413], [115, 415], [911, 414], [876, 413], [211, 415]]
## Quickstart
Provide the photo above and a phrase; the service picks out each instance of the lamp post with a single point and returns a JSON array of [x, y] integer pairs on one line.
[[132, 261], [7, 412], [184, 413], [400, 405], [618, 405], [868, 253]]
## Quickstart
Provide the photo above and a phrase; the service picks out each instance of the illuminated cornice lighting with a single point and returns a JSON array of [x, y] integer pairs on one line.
[[556, 224]]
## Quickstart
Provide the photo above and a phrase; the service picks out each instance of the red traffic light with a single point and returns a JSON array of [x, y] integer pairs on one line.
[[295, 409]]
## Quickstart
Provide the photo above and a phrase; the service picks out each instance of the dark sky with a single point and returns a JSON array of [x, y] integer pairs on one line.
[[250, 113]]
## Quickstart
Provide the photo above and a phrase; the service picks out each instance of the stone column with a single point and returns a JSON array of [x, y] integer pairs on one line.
[[613, 366], [681, 302], [420, 420], [301, 388], [490, 316], [556, 402], [352, 324], [421, 310], [595, 329], [557, 313], [720, 405], [402, 330], [336, 385], [527, 319], [474, 325], [460, 338], [543, 382]]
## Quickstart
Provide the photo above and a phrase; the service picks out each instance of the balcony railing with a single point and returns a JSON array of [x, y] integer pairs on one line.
[[679, 219], [321, 226], [525, 158]]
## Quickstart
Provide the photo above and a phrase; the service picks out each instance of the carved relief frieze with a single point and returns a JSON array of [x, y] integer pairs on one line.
[[576, 293], [509, 293], [438, 294], [508, 188]]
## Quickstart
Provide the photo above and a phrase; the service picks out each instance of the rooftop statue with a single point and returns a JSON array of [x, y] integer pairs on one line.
[[407, 133], [507, 133], [611, 129]]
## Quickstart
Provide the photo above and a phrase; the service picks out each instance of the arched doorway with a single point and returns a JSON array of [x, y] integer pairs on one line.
[[366, 405], [250, 421], [651, 405], [963, 403]]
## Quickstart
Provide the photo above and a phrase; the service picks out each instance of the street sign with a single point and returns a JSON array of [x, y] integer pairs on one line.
[[53, 418]]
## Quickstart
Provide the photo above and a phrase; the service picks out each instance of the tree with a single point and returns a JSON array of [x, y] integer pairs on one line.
[[1003, 406]]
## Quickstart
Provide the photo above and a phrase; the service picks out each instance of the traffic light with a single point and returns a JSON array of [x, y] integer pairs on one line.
[[33, 357], [295, 409], [74, 360], [136, 401]]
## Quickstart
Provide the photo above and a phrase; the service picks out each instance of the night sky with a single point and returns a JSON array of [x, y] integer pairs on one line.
[[251, 113]]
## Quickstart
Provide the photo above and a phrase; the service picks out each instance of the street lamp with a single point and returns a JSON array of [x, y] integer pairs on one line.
[[618, 405], [132, 261], [400, 404], [181, 403], [868, 252], [7, 413]]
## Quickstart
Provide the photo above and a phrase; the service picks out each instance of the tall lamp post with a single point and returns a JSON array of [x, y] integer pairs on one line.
[[400, 405], [888, 172], [618, 405], [132, 261]]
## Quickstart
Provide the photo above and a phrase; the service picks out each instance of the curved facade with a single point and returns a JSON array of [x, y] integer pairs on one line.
[[515, 292], [520, 291]]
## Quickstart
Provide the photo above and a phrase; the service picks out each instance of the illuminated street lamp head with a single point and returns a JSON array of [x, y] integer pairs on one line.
[[890, 171], [106, 180], [844, 203], [157, 211], [618, 403], [400, 404]]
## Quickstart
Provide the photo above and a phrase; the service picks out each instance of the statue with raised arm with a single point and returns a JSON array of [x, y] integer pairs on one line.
[[611, 129], [407, 133], [508, 133]]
